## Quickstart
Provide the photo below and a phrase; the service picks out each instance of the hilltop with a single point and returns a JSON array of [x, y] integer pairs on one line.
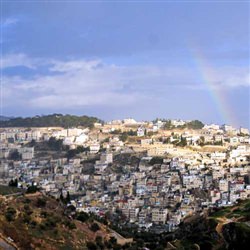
[[54, 120]]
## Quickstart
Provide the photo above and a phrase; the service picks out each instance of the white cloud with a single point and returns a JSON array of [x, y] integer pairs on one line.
[[79, 83], [13, 60], [75, 65], [8, 22], [233, 77]]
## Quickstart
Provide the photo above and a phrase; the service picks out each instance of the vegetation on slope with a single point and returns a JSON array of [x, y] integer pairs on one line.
[[38, 222], [54, 120], [195, 124], [225, 228], [35, 221]]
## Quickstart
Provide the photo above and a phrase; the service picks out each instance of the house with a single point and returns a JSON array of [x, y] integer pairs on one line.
[[140, 132], [159, 215]]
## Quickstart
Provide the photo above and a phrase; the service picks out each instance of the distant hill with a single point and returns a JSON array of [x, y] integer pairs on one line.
[[54, 120], [5, 118]]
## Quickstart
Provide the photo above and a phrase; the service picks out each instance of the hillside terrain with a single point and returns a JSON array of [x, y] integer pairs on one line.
[[54, 120], [35, 221], [226, 228]]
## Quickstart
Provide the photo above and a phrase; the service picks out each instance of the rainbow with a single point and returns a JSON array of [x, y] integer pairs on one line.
[[216, 93]]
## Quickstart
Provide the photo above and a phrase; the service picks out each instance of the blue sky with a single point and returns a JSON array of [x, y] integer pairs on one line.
[[117, 59]]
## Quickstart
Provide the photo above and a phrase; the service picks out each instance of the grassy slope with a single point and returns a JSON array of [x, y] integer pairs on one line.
[[6, 190], [39, 222]]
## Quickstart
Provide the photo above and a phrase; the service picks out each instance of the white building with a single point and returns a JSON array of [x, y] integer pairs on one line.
[[140, 132], [82, 138], [178, 123]]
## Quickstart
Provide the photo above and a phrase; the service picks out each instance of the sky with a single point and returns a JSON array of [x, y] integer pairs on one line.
[[119, 59]]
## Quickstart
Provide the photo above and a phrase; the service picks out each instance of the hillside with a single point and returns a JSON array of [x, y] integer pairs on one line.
[[54, 120], [5, 118], [226, 228], [35, 221]]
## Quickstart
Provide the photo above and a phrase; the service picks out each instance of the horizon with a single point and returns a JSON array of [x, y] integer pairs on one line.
[[127, 59], [122, 119]]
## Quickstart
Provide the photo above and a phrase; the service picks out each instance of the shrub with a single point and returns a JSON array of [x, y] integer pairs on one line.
[[41, 202], [94, 227], [91, 246], [32, 189], [69, 224], [51, 222], [82, 216], [26, 219], [10, 214]]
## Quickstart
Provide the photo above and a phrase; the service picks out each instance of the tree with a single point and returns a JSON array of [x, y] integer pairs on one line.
[[41, 202], [82, 216], [10, 214], [131, 133], [71, 153], [183, 142], [168, 124], [99, 242], [113, 240], [68, 197], [13, 183], [53, 120], [55, 144], [15, 156], [32, 189], [91, 245], [32, 143], [156, 160], [195, 124], [150, 133], [123, 137], [94, 227]]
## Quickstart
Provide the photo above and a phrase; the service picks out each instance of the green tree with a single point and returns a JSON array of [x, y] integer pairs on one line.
[[82, 216], [156, 160], [55, 144], [123, 137], [41, 202], [68, 197], [195, 124], [91, 245], [71, 153], [10, 214], [53, 120], [183, 142], [168, 124], [15, 156], [99, 242], [13, 183], [94, 227], [32, 189]]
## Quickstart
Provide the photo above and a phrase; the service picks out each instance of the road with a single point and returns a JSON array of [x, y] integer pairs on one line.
[[6, 246]]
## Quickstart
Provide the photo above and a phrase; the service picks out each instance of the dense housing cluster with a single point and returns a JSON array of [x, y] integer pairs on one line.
[[151, 174]]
